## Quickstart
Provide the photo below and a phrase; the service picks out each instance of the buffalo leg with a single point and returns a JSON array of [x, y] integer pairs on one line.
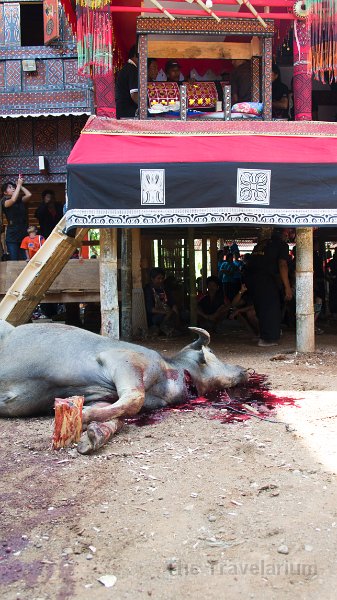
[[128, 405], [97, 435]]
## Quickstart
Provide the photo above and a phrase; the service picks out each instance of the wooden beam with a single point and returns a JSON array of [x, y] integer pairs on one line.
[[210, 50]]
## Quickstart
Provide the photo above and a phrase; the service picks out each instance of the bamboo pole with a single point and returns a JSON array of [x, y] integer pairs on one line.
[[305, 322], [108, 283], [193, 290], [126, 284]]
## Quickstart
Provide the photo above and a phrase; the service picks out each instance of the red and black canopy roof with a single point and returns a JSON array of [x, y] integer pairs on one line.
[[167, 173]]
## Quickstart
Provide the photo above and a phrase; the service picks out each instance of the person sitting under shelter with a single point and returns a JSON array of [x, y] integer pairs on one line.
[[243, 310], [127, 87], [172, 71], [280, 95], [213, 307], [241, 81], [152, 69], [162, 313]]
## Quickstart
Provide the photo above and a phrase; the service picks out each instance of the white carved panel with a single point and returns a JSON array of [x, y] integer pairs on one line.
[[152, 182], [253, 186]]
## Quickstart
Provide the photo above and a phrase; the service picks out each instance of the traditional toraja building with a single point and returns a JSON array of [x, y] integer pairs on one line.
[[186, 170], [44, 102]]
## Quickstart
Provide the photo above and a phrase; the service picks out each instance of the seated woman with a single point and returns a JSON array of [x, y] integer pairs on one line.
[[280, 95], [162, 313], [243, 309], [213, 307]]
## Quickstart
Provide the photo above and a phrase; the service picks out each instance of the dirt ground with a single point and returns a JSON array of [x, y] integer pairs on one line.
[[186, 508]]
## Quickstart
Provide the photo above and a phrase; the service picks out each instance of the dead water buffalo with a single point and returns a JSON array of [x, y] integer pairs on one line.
[[39, 362]]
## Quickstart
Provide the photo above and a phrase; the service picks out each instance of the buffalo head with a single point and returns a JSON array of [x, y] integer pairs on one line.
[[208, 373]]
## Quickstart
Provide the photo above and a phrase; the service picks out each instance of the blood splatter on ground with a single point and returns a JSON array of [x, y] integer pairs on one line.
[[253, 400]]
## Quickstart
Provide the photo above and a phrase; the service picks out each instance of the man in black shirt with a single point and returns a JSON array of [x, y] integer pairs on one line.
[[127, 87], [267, 279]]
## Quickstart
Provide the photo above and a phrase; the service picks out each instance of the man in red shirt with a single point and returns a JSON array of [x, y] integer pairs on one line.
[[32, 242]]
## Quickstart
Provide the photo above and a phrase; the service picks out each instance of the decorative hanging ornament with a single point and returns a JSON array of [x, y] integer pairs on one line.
[[301, 9]]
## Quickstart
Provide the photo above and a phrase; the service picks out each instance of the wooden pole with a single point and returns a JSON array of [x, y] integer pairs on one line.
[[302, 80], [193, 290], [108, 283], [204, 264], [214, 255], [126, 284], [139, 320], [305, 322]]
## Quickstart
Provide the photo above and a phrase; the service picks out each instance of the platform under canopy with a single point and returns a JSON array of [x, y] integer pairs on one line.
[[133, 173]]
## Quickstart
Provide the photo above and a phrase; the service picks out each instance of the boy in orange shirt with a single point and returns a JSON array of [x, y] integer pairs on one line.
[[32, 242]]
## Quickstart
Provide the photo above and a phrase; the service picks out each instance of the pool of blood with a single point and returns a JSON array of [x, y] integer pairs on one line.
[[252, 400]]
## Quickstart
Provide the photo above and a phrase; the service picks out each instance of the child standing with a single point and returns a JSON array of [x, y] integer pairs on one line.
[[32, 242]]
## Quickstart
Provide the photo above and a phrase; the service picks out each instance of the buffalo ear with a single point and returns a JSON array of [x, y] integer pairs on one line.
[[201, 357]]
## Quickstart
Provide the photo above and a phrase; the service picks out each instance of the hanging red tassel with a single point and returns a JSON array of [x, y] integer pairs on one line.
[[95, 38], [323, 24]]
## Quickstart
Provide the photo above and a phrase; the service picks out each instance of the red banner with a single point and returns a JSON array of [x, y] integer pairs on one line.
[[51, 25]]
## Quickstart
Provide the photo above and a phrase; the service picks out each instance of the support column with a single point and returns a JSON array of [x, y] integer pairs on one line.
[[193, 290], [126, 284], [108, 283], [302, 78], [213, 248], [139, 321], [204, 264], [142, 76], [305, 323], [266, 78], [255, 62]]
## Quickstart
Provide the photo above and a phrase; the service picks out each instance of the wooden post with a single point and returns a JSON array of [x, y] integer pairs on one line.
[[193, 290], [227, 102], [302, 81], [214, 255], [139, 321], [266, 78], [142, 76], [108, 283], [204, 264], [126, 284], [183, 103], [305, 322]]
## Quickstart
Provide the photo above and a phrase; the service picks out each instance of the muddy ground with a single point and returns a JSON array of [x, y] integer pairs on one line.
[[187, 508]]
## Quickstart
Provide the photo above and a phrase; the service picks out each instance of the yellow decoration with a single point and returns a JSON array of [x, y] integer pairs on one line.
[[191, 101], [200, 100]]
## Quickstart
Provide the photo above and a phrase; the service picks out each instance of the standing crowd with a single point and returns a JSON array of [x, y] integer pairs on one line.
[[15, 198]]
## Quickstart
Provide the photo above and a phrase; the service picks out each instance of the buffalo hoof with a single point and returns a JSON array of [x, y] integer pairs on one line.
[[97, 435]]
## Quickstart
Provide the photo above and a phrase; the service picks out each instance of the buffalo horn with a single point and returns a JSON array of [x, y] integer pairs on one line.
[[203, 339]]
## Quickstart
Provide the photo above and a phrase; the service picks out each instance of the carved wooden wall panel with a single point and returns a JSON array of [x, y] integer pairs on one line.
[[13, 76], [25, 137], [2, 25], [12, 23], [2, 76], [36, 79]]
